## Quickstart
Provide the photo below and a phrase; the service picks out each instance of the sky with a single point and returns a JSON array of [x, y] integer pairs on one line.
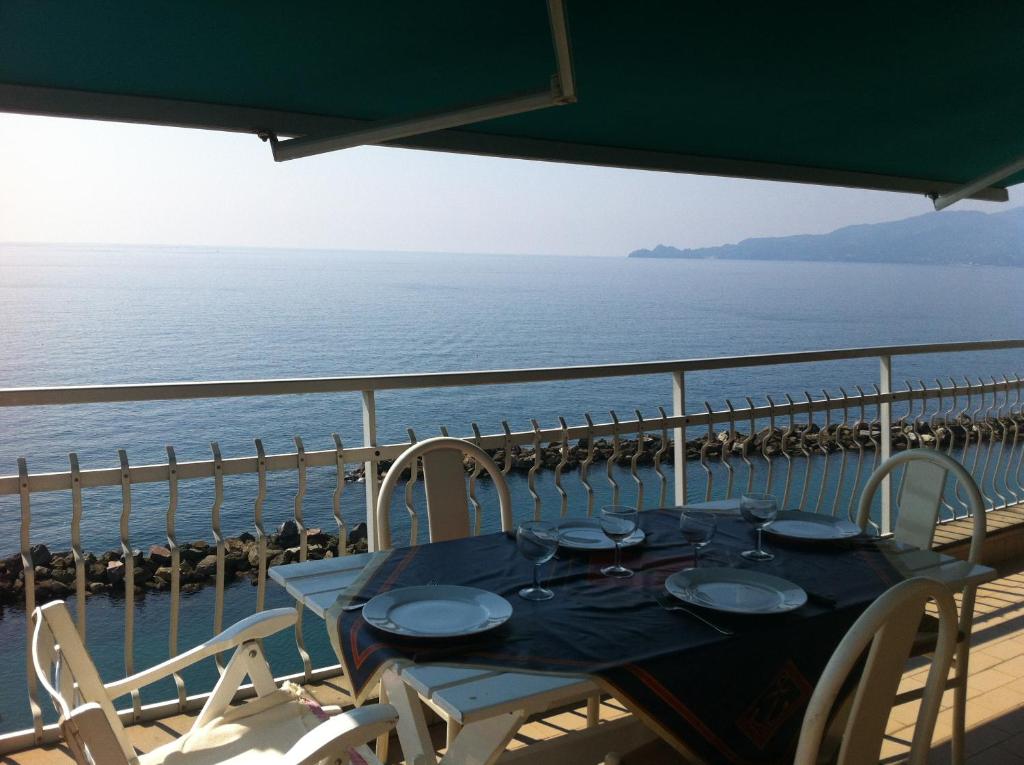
[[65, 180]]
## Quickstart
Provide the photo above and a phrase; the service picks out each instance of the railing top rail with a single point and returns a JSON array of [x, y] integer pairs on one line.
[[93, 394], [231, 466]]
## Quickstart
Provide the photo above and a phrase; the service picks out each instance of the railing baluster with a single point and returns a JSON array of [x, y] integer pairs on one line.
[[746, 443], [261, 533], [585, 465], [823, 436], [933, 422], [806, 454], [410, 503], [76, 544], [1018, 415], [885, 437], [705, 450], [949, 415], [1004, 432], [725, 455], [635, 460], [941, 431], [562, 462], [901, 421], [977, 419], [842, 434], [679, 437], [980, 424], [129, 578], [509, 446], [859, 425], [175, 551], [300, 523], [875, 426], [473, 476], [964, 420], [1013, 418], [218, 539], [370, 478], [531, 476], [659, 455], [923, 422], [613, 457], [339, 488], [901, 428], [29, 574], [766, 445]]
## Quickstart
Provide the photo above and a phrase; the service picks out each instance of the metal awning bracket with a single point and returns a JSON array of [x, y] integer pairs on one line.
[[562, 91], [942, 201]]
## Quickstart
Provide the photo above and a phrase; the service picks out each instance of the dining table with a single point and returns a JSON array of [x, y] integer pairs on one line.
[[719, 686]]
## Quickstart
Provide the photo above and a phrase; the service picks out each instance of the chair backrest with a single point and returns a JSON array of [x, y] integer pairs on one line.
[[886, 630], [920, 496], [88, 720], [444, 479]]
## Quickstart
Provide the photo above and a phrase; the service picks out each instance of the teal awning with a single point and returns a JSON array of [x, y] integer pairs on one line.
[[906, 96]]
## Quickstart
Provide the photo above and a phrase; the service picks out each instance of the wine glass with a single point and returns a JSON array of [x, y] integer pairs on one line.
[[537, 542], [697, 528], [761, 509], [617, 523]]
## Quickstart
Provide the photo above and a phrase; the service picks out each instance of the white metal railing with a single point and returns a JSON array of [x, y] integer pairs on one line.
[[815, 451]]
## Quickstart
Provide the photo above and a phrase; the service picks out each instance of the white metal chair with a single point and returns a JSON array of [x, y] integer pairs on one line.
[[920, 496], [887, 631], [281, 725], [444, 480]]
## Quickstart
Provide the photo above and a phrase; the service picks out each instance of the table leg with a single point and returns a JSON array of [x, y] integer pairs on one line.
[[483, 742], [593, 711], [417, 748], [452, 732]]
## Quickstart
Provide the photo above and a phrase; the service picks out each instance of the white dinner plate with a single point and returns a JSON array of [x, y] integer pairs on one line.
[[811, 527], [735, 590], [586, 534], [439, 610]]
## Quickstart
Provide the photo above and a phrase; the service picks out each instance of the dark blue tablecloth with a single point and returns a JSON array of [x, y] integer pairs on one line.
[[737, 699]]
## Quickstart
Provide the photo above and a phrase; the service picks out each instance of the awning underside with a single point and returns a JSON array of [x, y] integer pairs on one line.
[[905, 96]]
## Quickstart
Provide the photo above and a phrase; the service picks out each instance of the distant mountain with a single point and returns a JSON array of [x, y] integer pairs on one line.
[[951, 238]]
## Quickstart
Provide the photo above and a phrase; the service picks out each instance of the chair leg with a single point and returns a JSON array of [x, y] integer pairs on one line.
[[958, 744], [384, 740]]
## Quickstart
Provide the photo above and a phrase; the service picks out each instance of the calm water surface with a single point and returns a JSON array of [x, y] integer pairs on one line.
[[83, 315]]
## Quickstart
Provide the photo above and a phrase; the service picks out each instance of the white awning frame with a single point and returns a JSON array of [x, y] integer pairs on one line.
[[562, 91], [942, 201]]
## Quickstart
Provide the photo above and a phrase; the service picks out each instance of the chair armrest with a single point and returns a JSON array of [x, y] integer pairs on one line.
[[253, 627], [338, 735]]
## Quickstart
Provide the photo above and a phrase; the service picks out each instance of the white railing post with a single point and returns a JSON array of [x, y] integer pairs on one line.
[[679, 435], [885, 438], [371, 481]]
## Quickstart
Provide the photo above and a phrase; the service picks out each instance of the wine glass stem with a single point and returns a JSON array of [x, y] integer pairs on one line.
[[618, 554], [696, 555], [760, 536], [536, 576]]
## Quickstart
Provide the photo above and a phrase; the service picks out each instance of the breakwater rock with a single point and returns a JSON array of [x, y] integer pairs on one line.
[[55, 573], [801, 440]]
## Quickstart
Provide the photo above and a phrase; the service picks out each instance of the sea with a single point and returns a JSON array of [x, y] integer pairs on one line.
[[95, 314]]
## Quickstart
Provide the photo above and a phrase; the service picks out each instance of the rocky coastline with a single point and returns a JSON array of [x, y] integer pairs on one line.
[[55, 572]]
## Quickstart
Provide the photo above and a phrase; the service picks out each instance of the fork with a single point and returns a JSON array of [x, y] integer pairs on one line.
[[671, 604]]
